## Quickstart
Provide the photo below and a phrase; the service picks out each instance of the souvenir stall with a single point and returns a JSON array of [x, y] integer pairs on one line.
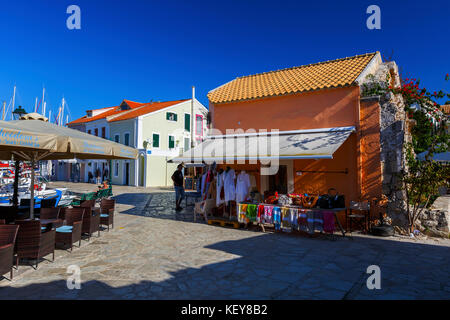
[[243, 194]]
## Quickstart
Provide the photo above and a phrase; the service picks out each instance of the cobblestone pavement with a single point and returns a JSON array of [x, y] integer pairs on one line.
[[155, 253]]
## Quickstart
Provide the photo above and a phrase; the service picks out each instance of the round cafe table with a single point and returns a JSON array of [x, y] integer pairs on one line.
[[56, 222]]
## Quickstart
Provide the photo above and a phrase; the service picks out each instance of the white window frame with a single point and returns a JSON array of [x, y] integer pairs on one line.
[[159, 135]]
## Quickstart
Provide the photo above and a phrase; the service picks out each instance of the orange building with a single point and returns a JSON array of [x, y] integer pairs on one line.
[[303, 103]]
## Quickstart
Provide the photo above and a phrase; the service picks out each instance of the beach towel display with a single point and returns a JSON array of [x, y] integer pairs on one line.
[[328, 221], [276, 213]]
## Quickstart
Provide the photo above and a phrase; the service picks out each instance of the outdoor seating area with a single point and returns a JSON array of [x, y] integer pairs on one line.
[[29, 241]]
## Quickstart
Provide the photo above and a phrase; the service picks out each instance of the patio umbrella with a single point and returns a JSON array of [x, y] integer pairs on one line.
[[34, 140]]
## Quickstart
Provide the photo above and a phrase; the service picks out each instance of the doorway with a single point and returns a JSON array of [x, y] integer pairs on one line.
[[127, 173], [278, 181]]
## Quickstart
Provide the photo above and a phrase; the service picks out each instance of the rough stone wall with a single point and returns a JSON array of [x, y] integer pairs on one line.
[[393, 136]]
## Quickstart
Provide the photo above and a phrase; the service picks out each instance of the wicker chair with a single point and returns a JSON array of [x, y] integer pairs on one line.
[[107, 212], [91, 222], [8, 234], [32, 243], [70, 232], [88, 204], [50, 213], [2, 221]]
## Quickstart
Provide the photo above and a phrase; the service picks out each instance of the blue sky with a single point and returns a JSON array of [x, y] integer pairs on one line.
[[156, 50]]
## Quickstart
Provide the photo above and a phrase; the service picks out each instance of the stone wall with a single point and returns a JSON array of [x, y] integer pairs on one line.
[[393, 136]]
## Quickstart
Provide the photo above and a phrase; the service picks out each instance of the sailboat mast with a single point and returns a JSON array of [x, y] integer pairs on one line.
[[13, 101], [43, 103], [62, 111]]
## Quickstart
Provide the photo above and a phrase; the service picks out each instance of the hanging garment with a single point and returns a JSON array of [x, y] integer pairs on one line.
[[242, 212], [328, 221], [293, 215], [303, 220], [252, 212], [260, 214], [212, 192], [242, 186], [219, 190], [203, 184], [286, 219], [229, 185], [277, 217], [268, 217], [310, 220], [318, 220], [252, 181]]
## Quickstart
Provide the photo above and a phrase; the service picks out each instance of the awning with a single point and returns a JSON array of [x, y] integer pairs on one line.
[[297, 144]]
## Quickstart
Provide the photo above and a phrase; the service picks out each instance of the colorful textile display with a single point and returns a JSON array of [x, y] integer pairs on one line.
[[242, 212], [251, 212], [260, 214], [328, 221], [293, 215], [286, 224], [276, 213], [303, 220], [268, 216]]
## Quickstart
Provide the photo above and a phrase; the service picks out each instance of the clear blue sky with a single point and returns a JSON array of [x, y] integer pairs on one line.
[[142, 50]]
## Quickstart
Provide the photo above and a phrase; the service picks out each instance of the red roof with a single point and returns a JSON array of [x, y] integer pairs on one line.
[[147, 108], [137, 109], [102, 115]]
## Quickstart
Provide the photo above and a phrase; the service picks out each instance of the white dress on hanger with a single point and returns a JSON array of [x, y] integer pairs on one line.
[[219, 188], [242, 186], [229, 186]]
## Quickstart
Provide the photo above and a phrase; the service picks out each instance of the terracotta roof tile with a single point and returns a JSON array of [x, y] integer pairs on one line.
[[144, 109], [328, 74]]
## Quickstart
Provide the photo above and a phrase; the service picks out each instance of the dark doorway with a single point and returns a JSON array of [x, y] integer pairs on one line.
[[278, 181], [127, 173]]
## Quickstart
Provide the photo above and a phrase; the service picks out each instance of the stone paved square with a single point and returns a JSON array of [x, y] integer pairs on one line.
[[156, 253]]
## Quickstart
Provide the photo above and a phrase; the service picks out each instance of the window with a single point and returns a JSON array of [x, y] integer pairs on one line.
[[187, 122], [171, 142], [171, 116], [199, 125], [187, 144], [117, 138], [155, 140], [96, 132], [89, 131], [127, 139], [103, 132], [116, 169]]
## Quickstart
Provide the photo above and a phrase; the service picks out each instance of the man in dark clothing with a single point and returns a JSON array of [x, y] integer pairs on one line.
[[177, 179]]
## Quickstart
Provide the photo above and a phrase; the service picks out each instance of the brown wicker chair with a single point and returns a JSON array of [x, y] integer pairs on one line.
[[8, 234], [91, 222], [88, 204], [32, 243], [71, 231], [107, 212], [50, 213]]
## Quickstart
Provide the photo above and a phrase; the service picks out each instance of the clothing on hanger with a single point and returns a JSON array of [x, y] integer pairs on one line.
[[229, 185], [242, 186], [219, 189]]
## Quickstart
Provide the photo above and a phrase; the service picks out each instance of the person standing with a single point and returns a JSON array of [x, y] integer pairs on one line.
[[177, 178]]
